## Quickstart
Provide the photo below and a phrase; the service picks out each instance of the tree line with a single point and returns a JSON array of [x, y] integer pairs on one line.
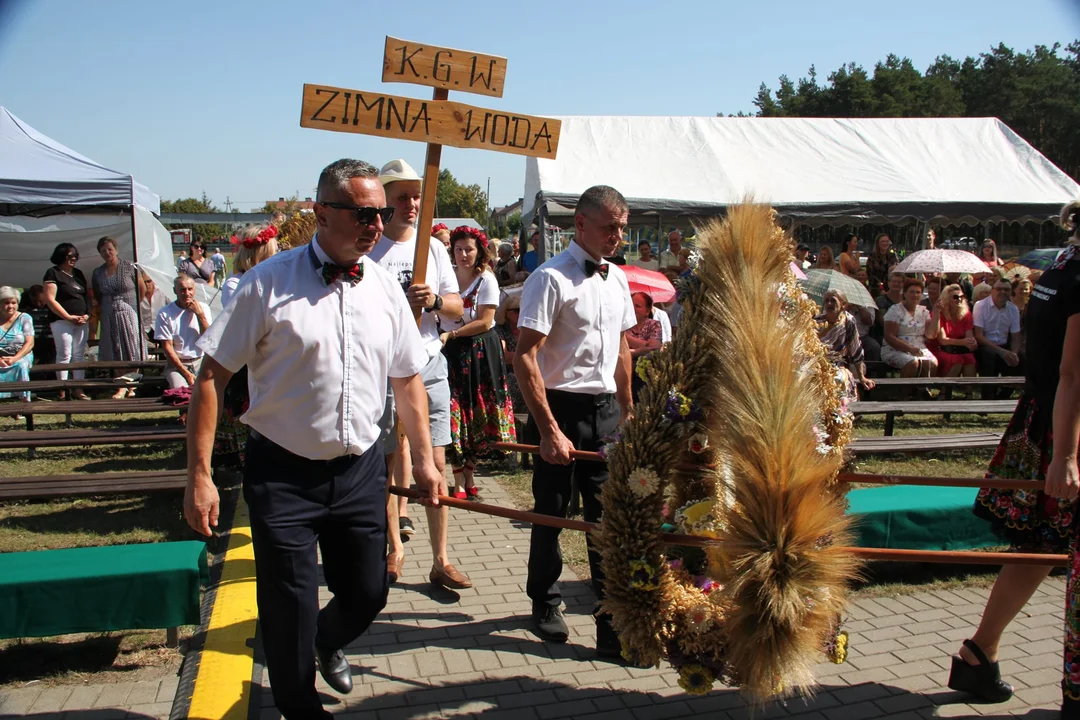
[[453, 199], [1036, 93]]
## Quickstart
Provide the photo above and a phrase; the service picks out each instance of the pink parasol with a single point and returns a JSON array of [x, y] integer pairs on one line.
[[798, 271], [652, 283]]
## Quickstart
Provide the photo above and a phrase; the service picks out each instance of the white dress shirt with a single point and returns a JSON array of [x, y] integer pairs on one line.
[[181, 328], [397, 259], [668, 259], [996, 323], [484, 290], [661, 316], [583, 319], [228, 288], [318, 356]]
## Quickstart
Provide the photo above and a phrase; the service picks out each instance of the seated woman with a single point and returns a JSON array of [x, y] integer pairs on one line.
[[907, 327], [955, 351], [825, 259], [644, 337], [840, 335], [16, 342]]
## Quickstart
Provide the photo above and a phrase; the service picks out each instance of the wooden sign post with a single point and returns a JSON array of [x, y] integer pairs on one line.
[[437, 121]]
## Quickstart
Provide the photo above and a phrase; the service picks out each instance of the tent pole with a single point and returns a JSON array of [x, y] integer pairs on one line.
[[138, 270]]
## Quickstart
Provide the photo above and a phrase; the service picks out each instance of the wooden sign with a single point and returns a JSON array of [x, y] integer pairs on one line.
[[439, 122], [440, 67]]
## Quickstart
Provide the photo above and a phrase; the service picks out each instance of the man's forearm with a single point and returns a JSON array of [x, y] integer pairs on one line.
[[170, 354], [532, 388], [203, 411], [410, 400], [1014, 343], [452, 308], [623, 370]]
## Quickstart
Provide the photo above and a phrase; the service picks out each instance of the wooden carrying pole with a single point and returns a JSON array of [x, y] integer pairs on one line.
[[933, 556], [427, 207]]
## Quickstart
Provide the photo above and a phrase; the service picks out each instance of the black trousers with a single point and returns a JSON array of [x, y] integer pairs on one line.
[[991, 364], [585, 420], [295, 503]]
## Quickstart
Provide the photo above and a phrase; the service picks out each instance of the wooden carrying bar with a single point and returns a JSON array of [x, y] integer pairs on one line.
[[888, 554]]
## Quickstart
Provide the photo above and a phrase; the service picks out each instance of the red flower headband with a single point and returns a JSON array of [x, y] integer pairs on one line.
[[261, 239], [467, 231], [440, 226]]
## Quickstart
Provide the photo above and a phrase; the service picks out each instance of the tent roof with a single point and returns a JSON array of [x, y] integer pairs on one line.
[[814, 169], [37, 174]]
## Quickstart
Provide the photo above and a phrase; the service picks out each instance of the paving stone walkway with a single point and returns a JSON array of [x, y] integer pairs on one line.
[[442, 654]]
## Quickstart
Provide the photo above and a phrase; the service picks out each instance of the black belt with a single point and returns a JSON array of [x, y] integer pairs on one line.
[[581, 398]]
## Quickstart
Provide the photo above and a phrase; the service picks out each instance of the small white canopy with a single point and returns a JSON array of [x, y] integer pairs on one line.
[[814, 170], [37, 173]]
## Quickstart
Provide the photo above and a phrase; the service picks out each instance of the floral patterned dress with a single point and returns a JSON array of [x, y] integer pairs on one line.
[[481, 411], [121, 337], [1030, 520]]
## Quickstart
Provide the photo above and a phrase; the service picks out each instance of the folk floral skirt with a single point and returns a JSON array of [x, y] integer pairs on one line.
[[481, 411], [1029, 520], [232, 435]]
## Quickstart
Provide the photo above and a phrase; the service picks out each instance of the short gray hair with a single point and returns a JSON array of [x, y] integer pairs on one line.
[[181, 279], [507, 247], [601, 197], [335, 177], [8, 293]]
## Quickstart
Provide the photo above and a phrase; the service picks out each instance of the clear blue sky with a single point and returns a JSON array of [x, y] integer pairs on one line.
[[205, 96]]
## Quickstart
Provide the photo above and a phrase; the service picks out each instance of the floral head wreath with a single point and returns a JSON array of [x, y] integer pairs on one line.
[[466, 231], [261, 239], [439, 227]]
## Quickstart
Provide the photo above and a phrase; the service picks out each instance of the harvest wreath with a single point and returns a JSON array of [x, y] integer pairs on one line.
[[738, 435]]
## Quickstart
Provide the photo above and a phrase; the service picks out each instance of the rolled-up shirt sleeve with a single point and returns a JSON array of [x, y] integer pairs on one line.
[[233, 336], [539, 303]]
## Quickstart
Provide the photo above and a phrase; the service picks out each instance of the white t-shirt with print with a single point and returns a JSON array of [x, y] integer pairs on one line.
[[397, 259]]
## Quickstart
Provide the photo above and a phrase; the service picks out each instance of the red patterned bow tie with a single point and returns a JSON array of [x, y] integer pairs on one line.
[[592, 268], [332, 271]]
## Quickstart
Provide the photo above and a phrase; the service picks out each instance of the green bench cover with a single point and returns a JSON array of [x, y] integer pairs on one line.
[[918, 518], [119, 587]]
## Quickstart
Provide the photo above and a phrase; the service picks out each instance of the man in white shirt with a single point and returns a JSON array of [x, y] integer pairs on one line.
[[320, 329], [670, 258], [573, 366], [219, 268], [437, 296], [645, 260], [997, 330], [178, 328]]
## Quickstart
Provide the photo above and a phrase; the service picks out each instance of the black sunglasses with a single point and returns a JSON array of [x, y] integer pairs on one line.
[[957, 297], [72, 256], [364, 215]]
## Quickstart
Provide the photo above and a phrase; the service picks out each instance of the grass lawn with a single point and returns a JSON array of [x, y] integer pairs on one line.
[[80, 522]]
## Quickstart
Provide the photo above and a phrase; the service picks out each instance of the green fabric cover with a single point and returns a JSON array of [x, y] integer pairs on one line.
[[120, 587], [918, 518]]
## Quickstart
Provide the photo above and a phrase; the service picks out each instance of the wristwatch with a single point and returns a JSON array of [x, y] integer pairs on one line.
[[435, 306]]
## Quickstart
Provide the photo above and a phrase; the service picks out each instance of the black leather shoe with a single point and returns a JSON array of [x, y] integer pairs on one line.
[[335, 670], [982, 680], [549, 624]]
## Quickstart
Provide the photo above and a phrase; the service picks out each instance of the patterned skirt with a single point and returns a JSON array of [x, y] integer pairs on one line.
[[1029, 520], [481, 411], [232, 435]]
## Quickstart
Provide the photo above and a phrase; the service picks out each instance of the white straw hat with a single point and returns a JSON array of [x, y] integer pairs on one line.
[[396, 170]]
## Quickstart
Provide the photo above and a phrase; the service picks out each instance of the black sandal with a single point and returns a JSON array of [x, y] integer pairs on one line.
[[982, 680]]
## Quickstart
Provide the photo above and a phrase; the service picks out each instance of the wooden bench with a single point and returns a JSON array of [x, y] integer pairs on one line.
[[36, 386], [930, 407], [103, 365], [101, 589], [93, 436], [920, 444], [86, 484]]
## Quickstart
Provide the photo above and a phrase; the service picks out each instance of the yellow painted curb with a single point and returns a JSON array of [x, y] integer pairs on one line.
[[223, 684]]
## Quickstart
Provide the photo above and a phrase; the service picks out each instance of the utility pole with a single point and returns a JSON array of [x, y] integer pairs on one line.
[[228, 204], [487, 205]]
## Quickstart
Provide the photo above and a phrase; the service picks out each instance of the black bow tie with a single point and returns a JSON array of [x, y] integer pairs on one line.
[[592, 268], [332, 271]]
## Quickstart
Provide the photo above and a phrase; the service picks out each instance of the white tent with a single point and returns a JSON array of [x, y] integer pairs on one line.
[[813, 170], [51, 194]]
